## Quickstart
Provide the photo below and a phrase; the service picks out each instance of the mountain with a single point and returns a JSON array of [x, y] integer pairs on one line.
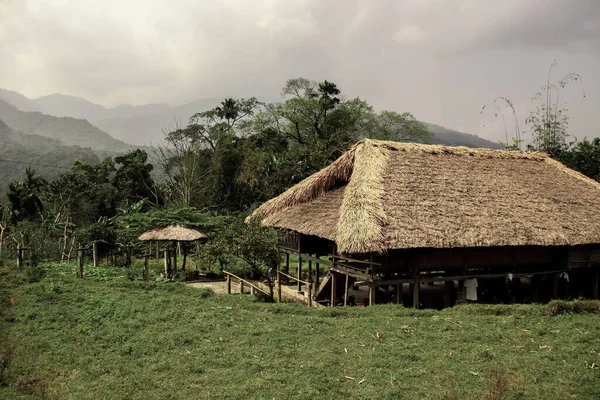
[[47, 156], [70, 131], [60, 105], [148, 129], [451, 137]]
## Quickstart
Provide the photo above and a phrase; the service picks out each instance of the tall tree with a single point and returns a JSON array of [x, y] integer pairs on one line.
[[133, 180]]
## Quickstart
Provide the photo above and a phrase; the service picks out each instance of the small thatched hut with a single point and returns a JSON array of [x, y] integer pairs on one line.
[[388, 213], [175, 234]]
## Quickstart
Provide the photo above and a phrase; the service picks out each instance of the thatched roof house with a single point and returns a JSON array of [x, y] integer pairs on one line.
[[172, 233], [384, 195]]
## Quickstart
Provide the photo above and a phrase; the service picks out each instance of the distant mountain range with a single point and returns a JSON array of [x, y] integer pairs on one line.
[[69, 131], [137, 125]]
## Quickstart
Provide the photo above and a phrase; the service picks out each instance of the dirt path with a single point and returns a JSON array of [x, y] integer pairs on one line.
[[219, 287]]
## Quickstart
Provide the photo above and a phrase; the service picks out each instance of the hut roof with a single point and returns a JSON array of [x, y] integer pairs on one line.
[[383, 195], [172, 232]]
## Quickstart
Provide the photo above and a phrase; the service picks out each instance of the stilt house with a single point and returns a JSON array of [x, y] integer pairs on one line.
[[401, 219]]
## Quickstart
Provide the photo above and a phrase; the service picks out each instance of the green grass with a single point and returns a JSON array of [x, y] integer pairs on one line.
[[116, 338]]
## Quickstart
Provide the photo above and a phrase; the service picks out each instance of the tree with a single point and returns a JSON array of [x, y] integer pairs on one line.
[[133, 180], [549, 119], [24, 197]]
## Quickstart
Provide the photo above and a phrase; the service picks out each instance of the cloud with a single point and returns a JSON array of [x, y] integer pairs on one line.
[[440, 59]]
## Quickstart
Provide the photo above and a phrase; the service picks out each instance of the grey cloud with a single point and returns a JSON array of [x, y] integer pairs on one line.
[[440, 59]]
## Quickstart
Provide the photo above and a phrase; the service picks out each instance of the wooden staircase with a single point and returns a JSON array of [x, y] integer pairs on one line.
[[323, 293]]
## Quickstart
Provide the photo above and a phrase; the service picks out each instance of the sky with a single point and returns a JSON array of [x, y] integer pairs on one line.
[[442, 60]]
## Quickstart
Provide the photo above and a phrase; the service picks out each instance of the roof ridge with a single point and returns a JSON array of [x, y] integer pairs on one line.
[[571, 172], [362, 215]]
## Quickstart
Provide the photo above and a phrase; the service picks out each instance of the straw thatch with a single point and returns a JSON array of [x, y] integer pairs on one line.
[[172, 232], [388, 195]]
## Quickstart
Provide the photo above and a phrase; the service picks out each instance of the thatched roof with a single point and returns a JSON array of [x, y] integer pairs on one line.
[[172, 232], [388, 195]]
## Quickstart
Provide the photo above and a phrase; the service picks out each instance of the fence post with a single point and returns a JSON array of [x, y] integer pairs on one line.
[[228, 284], [309, 285], [95, 253], [19, 256], [278, 286], [80, 263]]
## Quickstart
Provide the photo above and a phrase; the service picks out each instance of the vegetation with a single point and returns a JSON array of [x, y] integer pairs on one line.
[[110, 337]]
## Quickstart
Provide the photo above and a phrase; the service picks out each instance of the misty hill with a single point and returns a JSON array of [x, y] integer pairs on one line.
[[60, 105], [70, 131], [455, 138], [47, 156]]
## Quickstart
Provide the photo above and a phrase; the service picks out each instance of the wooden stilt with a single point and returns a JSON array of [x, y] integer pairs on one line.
[[174, 266], [595, 283], [346, 290], [167, 263], [555, 286], [399, 293], [416, 289], [333, 288], [309, 293], [310, 270], [184, 251], [287, 263], [316, 276], [448, 293], [299, 272], [372, 297]]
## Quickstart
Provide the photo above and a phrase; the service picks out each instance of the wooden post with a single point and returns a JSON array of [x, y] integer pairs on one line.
[[346, 291], [372, 298], [95, 253], [278, 287], [241, 286], [316, 276], [287, 264], [556, 286], [333, 288], [228, 284], [595, 283], [399, 293], [448, 293], [146, 267], [309, 293], [252, 290], [184, 250], [19, 256], [416, 289], [80, 263], [310, 270], [174, 266], [299, 272]]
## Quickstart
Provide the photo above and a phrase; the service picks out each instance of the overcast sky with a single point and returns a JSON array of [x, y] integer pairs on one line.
[[439, 59]]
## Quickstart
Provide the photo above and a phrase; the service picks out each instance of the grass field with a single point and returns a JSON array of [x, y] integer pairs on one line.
[[107, 337]]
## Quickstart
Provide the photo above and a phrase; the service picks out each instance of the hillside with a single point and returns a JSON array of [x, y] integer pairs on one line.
[[106, 337], [455, 138], [47, 156], [70, 131]]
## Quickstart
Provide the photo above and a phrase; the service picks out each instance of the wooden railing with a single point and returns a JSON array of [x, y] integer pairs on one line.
[[242, 284], [308, 285]]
